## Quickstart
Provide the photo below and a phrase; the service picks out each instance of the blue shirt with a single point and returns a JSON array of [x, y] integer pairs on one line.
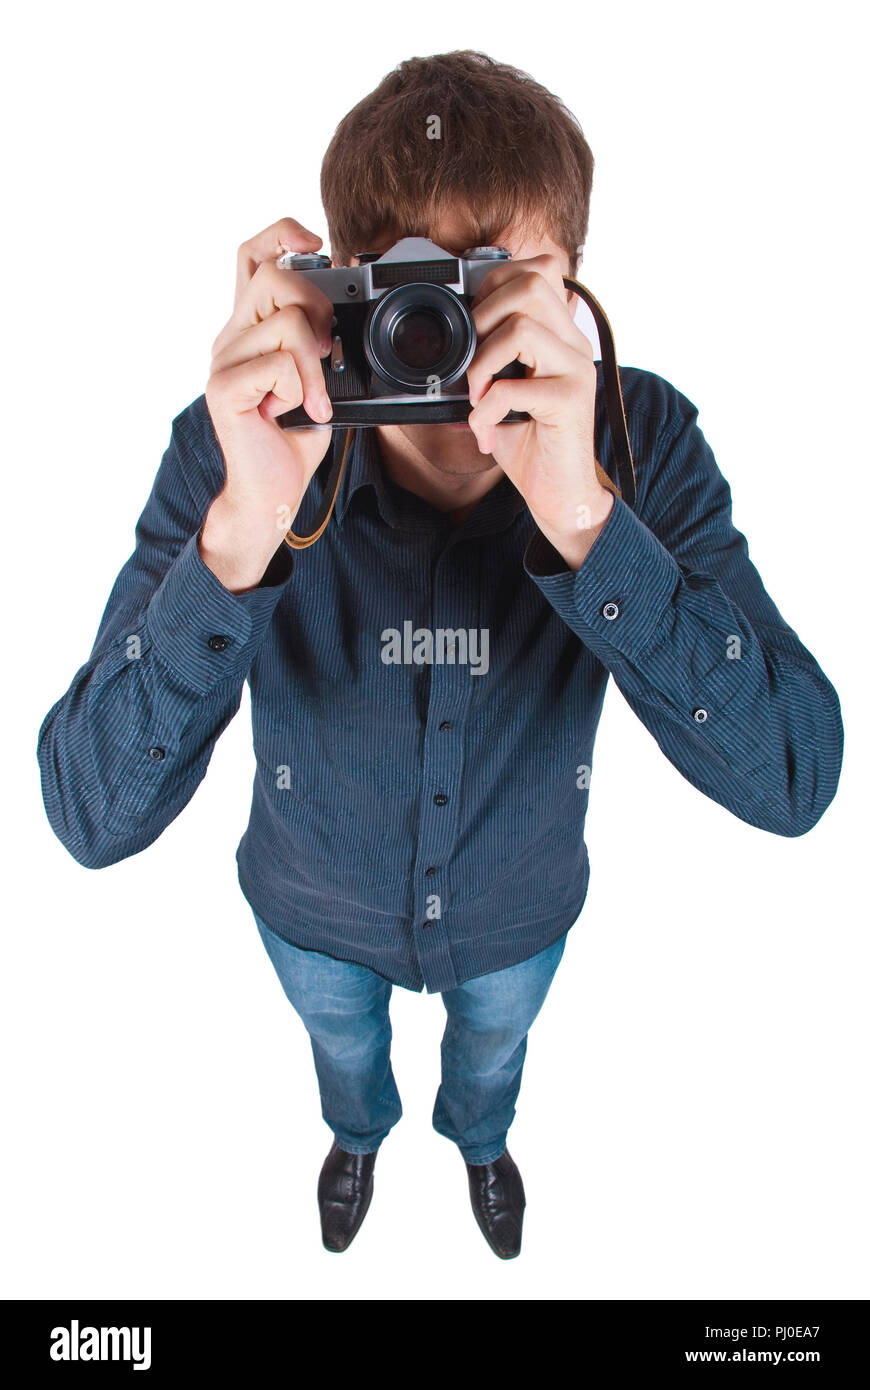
[[421, 788]]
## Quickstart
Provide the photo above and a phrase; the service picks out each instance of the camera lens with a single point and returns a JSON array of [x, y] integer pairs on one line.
[[421, 338], [417, 332]]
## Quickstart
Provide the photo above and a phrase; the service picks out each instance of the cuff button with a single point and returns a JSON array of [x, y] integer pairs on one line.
[[218, 644], [610, 610]]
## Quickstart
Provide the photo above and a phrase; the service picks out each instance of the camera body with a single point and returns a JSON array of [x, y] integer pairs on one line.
[[402, 334]]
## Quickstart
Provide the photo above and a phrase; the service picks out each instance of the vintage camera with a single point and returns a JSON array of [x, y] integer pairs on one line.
[[402, 334]]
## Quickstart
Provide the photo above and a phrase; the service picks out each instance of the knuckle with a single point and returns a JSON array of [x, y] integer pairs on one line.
[[266, 271], [291, 315], [496, 391], [244, 252], [535, 288], [292, 312]]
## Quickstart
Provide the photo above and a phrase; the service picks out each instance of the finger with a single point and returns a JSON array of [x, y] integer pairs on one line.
[[241, 388], [285, 235], [546, 399], [271, 288], [287, 330], [531, 294], [539, 349], [545, 265]]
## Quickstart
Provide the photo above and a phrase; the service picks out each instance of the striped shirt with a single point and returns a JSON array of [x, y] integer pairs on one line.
[[425, 695]]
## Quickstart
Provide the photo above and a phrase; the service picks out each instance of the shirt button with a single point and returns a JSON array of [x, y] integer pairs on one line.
[[218, 644], [430, 871], [699, 715], [444, 725], [156, 753], [440, 799], [610, 610]]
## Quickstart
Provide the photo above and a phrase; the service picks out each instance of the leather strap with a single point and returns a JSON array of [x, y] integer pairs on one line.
[[330, 493], [613, 400], [615, 415]]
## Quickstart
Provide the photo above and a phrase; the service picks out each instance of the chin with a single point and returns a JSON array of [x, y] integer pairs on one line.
[[449, 448]]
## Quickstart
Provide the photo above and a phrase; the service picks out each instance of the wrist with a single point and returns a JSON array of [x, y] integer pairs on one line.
[[237, 554], [592, 515]]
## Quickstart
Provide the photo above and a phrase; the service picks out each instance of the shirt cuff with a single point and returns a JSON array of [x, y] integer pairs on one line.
[[620, 594], [199, 629]]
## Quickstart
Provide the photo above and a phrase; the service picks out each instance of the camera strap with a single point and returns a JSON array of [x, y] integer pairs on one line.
[[327, 501], [627, 488], [612, 400]]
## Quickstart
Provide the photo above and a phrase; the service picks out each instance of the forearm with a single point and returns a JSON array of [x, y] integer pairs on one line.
[[114, 774], [742, 710], [125, 748]]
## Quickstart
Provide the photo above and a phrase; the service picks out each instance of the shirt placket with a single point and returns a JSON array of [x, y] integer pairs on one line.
[[455, 605]]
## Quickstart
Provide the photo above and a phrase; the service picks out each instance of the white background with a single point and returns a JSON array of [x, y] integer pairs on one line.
[[692, 1122]]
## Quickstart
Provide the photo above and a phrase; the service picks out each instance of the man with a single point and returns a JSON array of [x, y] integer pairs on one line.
[[415, 821]]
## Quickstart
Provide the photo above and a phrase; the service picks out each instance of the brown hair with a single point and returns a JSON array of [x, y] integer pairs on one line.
[[509, 152]]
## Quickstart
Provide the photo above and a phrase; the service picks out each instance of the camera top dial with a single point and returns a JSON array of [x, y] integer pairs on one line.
[[486, 253], [303, 260]]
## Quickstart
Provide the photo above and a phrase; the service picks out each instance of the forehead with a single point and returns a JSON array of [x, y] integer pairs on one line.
[[455, 233]]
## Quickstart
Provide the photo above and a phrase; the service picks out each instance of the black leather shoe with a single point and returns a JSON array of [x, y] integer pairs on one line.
[[498, 1201], [344, 1192]]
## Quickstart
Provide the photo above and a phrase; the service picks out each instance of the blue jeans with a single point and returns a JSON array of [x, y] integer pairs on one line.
[[346, 1010]]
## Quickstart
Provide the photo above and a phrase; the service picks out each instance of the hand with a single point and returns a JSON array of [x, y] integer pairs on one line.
[[521, 311], [266, 360]]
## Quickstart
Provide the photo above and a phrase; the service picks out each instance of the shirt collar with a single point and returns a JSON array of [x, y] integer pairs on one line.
[[405, 510]]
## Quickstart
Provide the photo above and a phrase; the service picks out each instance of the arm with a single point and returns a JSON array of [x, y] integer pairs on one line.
[[699, 650], [123, 751]]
